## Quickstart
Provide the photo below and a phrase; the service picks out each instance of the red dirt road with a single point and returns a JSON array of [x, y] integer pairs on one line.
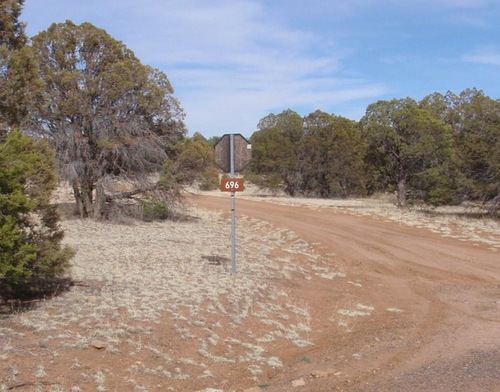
[[437, 321]]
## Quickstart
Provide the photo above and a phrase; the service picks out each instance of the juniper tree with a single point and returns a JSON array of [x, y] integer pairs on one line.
[[31, 254], [107, 115], [475, 122], [275, 151], [409, 149], [19, 82], [332, 154]]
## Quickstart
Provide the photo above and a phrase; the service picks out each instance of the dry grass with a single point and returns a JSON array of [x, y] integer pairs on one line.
[[156, 308], [151, 293]]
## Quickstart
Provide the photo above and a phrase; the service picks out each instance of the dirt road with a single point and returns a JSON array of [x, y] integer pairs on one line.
[[433, 304]]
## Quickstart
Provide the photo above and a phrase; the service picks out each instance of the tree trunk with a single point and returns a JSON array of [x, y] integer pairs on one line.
[[80, 209], [401, 193], [100, 201], [87, 201], [83, 199]]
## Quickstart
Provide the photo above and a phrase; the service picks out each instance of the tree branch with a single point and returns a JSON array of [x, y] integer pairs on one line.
[[130, 194]]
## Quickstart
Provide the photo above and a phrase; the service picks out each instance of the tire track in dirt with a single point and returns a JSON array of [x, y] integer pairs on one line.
[[449, 290]]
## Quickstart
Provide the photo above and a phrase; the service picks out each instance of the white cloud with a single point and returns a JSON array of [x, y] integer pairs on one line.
[[233, 62], [485, 55], [229, 62], [457, 3]]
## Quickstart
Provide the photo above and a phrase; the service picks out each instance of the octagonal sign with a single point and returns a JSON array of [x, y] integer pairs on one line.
[[242, 153]]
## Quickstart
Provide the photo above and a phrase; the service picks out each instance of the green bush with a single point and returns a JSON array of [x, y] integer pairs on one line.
[[32, 259], [209, 180], [155, 210]]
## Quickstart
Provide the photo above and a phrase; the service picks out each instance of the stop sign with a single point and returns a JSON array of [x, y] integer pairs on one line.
[[242, 153]]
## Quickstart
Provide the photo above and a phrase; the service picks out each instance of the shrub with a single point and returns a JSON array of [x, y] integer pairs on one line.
[[32, 259], [154, 210], [209, 180]]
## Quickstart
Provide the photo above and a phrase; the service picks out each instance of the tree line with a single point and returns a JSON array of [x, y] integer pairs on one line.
[[444, 149]]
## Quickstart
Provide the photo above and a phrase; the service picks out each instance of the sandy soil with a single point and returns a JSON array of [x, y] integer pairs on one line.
[[329, 296]]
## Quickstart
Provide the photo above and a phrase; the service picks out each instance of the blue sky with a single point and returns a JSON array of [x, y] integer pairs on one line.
[[233, 62]]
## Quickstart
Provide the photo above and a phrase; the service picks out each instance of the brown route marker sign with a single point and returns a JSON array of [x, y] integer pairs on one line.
[[232, 185], [242, 153]]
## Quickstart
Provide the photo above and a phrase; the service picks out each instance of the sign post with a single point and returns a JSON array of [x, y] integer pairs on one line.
[[232, 154], [233, 205]]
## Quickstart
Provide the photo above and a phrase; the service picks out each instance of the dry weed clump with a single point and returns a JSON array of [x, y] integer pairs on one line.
[[159, 300]]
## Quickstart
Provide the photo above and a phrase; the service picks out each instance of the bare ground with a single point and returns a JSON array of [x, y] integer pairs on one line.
[[329, 295]]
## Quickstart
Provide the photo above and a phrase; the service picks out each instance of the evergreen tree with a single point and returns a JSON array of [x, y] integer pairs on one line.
[[475, 122], [193, 161], [410, 151], [32, 258], [19, 82], [332, 156], [275, 151], [477, 138], [107, 115]]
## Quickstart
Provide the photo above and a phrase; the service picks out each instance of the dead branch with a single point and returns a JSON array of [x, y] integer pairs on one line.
[[130, 194], [30, 383]]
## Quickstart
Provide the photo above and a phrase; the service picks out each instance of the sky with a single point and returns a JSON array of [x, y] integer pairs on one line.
[[233, 62]]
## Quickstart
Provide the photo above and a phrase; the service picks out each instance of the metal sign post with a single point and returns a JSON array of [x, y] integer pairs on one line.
[[233, 208], [232, 153]]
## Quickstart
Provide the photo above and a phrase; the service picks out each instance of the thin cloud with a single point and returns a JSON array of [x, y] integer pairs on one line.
[[233, 62], [488, 56]]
